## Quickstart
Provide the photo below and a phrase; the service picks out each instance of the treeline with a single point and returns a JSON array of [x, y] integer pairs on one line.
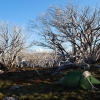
[[57, 27]]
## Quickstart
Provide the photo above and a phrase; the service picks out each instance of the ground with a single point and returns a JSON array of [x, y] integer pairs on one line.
[[43, 87]]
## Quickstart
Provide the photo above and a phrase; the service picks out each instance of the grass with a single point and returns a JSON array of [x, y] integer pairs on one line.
[[42, 87]]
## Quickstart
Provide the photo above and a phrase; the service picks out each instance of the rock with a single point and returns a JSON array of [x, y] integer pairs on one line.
[[1, 71], [9, 98], [14, 87], [96, 65]]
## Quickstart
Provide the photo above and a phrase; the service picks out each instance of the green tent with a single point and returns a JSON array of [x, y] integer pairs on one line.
[[79, 79]]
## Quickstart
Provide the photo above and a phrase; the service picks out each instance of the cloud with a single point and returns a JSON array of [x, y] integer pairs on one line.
[[40, 50]]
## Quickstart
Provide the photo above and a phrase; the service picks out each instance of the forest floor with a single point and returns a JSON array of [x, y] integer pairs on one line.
[[31, 86]]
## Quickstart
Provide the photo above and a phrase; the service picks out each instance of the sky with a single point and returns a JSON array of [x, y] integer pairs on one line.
[[21, 11]]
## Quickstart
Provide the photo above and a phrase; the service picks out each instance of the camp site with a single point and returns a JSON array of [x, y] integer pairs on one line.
[[72, 85], [50, 50]]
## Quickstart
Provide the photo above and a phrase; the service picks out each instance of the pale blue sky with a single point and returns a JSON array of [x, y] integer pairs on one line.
[[21, 11]]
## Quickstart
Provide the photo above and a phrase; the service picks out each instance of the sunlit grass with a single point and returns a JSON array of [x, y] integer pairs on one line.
[[42, 87]]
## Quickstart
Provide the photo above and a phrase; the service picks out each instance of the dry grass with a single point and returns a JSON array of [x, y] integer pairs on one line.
[[42, 87]]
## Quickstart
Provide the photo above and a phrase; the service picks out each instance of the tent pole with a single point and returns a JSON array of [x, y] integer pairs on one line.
[[92, 84]]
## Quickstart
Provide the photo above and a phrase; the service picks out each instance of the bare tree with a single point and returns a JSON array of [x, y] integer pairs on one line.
[[79, 26], [50, 37], [13, 40]]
